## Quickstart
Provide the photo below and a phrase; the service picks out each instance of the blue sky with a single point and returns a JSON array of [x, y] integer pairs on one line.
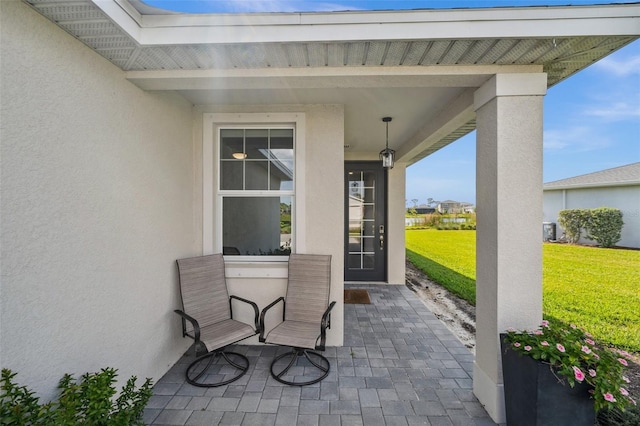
[[591, 120], [591, 123]]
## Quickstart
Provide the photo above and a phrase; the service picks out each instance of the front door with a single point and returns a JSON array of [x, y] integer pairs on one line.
[[365, 222]]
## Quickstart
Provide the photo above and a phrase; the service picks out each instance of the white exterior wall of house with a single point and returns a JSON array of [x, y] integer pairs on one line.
[[625, 198], [396, 253], [97, 184], [508, 188]]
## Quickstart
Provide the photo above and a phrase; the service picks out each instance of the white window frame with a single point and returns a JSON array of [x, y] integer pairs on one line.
[[211, 199]]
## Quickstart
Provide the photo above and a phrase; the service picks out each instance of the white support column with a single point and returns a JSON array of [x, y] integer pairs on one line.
[[509, 215]]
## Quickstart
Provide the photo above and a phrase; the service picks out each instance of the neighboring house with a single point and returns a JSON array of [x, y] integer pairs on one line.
[[452, 207], [132, 137], [424, 209], [618, 187]]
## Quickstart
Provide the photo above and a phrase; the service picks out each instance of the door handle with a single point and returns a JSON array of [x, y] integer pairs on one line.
[[381, 239]]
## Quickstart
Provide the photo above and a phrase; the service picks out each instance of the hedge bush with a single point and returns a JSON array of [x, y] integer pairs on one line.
[[572, 221], [91, 401], [602, 225]]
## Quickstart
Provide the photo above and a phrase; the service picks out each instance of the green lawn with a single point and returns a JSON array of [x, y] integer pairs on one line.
[[596, 288]]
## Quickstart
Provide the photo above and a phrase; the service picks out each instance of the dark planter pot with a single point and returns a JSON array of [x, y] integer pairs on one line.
[[534, 395]]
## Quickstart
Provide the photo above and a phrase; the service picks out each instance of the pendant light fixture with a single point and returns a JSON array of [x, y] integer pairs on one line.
[[387, 156]]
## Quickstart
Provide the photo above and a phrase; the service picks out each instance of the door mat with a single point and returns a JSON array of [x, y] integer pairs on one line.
[[356, 296]]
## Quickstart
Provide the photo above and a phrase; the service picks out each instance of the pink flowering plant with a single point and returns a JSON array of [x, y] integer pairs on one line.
[[575, 358]]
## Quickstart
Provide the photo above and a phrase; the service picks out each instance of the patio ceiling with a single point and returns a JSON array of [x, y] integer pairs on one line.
[[420, 67]]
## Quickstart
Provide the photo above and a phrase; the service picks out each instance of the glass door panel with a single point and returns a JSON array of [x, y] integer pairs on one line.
[[365, 222]]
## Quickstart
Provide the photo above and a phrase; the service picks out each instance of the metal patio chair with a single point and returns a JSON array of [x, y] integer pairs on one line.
[[305, 318], [207, 318]]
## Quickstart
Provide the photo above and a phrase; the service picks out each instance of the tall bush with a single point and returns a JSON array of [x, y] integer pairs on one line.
[[90, 401], [572, 221], [604, 226]]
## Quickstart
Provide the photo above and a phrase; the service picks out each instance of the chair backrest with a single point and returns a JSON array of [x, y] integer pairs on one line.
[[308, 287], [204, 289]]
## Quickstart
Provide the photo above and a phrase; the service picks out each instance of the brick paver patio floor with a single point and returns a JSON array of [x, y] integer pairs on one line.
[[399, 366]]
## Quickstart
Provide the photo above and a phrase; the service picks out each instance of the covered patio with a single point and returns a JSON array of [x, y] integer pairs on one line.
[[121, 153], [399, 365]]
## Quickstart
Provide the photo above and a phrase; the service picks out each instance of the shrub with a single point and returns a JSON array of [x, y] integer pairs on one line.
[[432, 220], [572, 221], [89, 402], [604, 226]]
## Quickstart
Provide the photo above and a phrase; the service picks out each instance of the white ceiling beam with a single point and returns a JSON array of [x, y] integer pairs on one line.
[[323, 78]]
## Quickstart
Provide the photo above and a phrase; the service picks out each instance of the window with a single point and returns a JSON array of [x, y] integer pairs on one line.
[[256, 189]]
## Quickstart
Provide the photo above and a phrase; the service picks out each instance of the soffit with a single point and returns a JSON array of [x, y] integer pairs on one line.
[[125, 44]]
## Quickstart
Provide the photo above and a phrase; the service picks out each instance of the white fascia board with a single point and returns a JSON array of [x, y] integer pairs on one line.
[[123, 15], [608, 20], [591, 185]]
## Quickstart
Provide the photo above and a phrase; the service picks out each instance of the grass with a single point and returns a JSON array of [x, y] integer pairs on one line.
[[596, 288], [448, 257]]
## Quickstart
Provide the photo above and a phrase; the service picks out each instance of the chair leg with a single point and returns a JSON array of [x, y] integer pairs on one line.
[[323, 365], [198, 368]]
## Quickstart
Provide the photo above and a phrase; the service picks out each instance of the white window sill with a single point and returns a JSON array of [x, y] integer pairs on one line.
[[249, 267]]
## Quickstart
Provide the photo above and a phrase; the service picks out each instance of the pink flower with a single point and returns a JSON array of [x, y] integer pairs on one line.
[[625, 354], [609, 397], [626, 379], [591, 342], [560, 347], [592, 372], [538, 333], [579, 375], [544, 343], [527, 348], [586, 350], [517, 344], [545, 323], [596, 356], [624, 391], [623, 362]]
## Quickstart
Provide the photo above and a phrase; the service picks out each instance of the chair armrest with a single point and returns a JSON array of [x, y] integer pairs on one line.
[[255, 309], [326, 323], [264, 312], [194, 323]]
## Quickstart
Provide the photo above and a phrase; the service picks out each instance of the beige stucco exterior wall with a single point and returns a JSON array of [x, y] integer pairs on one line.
[[395, 224], [625, 198], [509, 214], [97, 180]]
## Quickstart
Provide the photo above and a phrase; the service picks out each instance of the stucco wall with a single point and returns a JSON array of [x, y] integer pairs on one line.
[[625, 198], [97, 203]]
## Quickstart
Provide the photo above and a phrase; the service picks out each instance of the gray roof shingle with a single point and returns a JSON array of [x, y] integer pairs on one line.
[[617, 176]]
